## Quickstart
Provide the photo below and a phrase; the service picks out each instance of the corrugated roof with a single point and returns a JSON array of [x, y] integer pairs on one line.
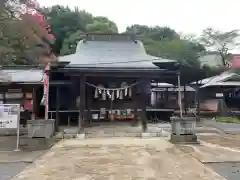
[[130, 54], [29, 76], [219, 79], [204, 81], [188, 88], [227, 83], [222, 77]]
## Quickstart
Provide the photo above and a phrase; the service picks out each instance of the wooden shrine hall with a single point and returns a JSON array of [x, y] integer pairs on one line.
[[107, 80]]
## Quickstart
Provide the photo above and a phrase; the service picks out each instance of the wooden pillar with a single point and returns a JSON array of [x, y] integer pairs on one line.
[[166, 96], [81, 117], [135, 107], [179, 94], [198, 101], [144, 100], [34, 107], [184, 99], [57, 108]]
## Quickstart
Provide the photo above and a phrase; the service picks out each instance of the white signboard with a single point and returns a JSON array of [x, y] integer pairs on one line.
[[219, 95], [9, 116]]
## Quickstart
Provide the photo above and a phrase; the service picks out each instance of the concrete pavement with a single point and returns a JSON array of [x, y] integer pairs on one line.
[[221, 153]]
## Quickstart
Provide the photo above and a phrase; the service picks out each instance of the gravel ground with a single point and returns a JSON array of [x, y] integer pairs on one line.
[[117, 159]]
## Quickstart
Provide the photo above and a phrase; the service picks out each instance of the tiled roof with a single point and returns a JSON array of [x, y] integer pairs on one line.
[[129, 53]]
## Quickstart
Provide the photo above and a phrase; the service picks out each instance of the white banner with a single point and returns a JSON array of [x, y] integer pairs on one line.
[[46, 90], [9, 116]]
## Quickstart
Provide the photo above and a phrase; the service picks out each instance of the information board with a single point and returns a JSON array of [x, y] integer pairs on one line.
[[9, 116]]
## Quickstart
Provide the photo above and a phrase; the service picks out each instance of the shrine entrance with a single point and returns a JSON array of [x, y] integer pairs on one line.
[[113, 99]]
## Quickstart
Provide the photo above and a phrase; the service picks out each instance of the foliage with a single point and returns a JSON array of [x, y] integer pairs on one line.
[[64, 22], [155, 33], [220, 42], [102, 25], [69, 44], [20, 33], [68, 25], [166, 43], [228, 120]]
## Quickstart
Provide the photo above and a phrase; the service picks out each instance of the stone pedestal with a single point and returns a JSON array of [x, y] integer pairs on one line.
[[41, 128], [145, 135], [80, 136], [183, 130]]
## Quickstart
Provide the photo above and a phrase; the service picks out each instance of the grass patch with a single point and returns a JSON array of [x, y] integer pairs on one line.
[[228, 120]]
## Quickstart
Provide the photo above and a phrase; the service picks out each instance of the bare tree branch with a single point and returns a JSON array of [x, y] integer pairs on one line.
[[219, 41]]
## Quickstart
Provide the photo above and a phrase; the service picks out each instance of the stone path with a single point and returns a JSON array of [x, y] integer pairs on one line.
[[211, 153], [228, 140], [231, 128], [117, 159], [11, 163], [221, 153], [9, 170]]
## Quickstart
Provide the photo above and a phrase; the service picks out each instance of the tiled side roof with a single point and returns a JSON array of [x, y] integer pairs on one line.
[[219, 80], [28, 76], [172, 89]]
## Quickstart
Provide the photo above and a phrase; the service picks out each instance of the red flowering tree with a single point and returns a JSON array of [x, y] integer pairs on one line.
[[24, 33]]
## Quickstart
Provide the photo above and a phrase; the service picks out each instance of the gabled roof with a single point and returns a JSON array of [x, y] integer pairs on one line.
[[108, 52]]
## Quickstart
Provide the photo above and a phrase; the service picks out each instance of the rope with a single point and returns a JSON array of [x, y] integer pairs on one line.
[[112, 89]]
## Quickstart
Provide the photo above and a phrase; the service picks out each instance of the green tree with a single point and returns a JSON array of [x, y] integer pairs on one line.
[[69, 44], [166, 43], [65, 22], [155, 33], [68, 25], [102, 25]]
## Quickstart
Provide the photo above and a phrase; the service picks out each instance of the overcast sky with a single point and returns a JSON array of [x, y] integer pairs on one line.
[[186, 16]]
